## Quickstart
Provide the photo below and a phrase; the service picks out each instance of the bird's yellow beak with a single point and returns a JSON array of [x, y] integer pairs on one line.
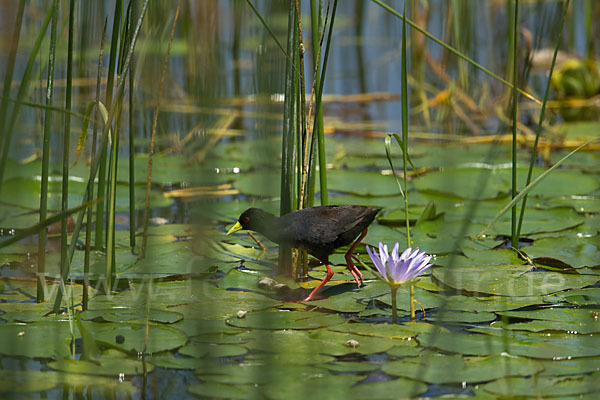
[[235, 228]]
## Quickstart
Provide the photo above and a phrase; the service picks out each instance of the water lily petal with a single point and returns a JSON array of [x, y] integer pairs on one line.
[[377, 262], [394, 255], [422, 269], [405, 254], [383, 253], [415, 264]]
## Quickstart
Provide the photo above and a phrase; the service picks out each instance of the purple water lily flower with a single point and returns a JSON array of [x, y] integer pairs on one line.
[[397, 269]]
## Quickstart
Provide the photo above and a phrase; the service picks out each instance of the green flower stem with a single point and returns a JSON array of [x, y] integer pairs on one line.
[[412, 302], [394, 289]]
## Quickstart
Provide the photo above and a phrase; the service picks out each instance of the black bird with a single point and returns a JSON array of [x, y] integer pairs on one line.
[[317, 230]]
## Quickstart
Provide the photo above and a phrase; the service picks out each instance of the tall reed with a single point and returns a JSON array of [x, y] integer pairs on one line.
[[64, 260], [46, 155]]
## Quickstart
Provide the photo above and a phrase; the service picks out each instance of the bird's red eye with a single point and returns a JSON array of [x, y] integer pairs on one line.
[[245, 220]]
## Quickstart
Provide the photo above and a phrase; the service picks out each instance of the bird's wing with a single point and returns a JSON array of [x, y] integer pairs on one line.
[[324, 226]]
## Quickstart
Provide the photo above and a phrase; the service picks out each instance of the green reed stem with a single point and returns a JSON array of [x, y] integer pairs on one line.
[[110, 79], [542, 114], [394, 289], [46, 157], [64, 260], [404, 84], [288, 146], [132, 224], [315, 20], [88, 225], [513, 226], [303, 177]]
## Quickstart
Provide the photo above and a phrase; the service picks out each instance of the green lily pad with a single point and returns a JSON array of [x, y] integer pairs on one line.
[[362, 183], [558, 314], [132, 315], [465, 183], [536, 221], [310, 382], [285, 320], [545, 386], [463, 317], [177, 362], [510, 280], [285, 358], [408, 348], [582, 297], [401, 332], [12, 381], [577, 252], [131, 337], [218, 390], [304, 343], [570, 367], [541, 326], [397, 388], [103, 366], [438, 368], [351, 366], [490, 303], [38, 339], [345, 302], [200, 350], [543, 346]]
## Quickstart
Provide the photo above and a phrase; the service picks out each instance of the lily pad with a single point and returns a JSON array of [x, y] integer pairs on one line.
[[363, 183], [543, 346], [303, 343], [285, 320], [577, 252], [200, 350], [36, 340], [438, 368], [545, 386], [465, 183], [397, 388], [103, 366], [131, 337], [132, 315], [510, 280]]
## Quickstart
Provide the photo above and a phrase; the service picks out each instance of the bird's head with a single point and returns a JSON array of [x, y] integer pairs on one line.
[[250, 219]]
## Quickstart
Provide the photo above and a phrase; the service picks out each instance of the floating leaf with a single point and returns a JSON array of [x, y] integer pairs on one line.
[[439, 368], [577, 252], [35, 340], [103, 366], [397, 388], [285, 320], [130, 337], [545, 386], [510, 280], [545, 346]]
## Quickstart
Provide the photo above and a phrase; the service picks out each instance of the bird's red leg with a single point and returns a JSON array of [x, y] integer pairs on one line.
[[315, 290], [350, 264]]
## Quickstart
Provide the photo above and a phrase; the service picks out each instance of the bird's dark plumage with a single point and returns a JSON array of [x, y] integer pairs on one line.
[[317, 230]]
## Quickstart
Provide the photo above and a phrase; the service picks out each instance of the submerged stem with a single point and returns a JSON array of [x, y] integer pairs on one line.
[[394, 309], [412, 302]]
